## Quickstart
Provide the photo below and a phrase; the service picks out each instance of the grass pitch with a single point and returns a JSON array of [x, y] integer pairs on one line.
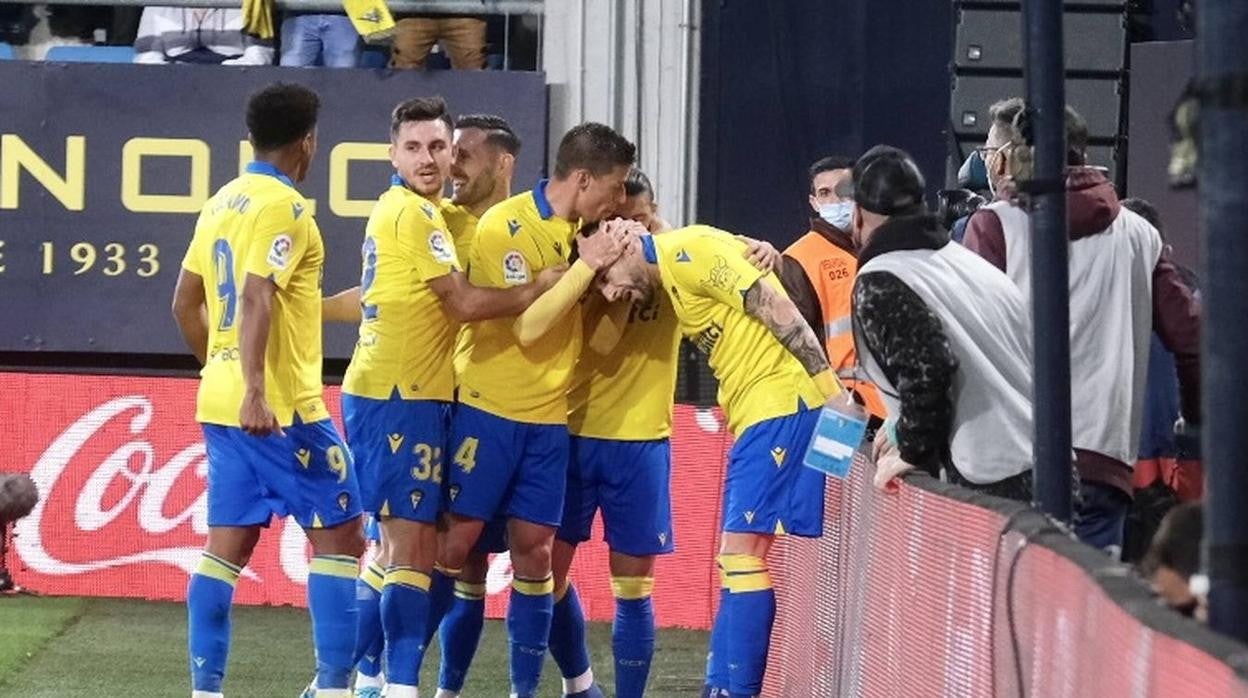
[[137, 649]]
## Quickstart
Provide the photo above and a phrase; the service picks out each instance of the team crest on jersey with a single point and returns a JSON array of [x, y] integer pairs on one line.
[[722, 276], [440, 248], [428, 209], [279, 253], [513, 227], [344, 500], [515, 268], [417, 495]]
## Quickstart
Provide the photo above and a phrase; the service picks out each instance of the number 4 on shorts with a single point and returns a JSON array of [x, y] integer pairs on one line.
[[466, 455]]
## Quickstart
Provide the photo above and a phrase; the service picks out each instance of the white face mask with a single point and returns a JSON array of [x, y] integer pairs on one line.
[[839, 215]]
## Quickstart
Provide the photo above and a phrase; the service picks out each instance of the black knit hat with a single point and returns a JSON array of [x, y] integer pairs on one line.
[[886, 181]]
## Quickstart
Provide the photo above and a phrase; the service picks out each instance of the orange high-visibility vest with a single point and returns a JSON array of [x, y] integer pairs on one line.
[[831, 271]]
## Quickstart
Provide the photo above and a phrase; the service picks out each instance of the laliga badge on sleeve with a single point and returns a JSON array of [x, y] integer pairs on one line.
[[839, 432]]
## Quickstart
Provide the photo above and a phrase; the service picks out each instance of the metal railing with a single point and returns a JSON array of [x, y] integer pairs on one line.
[[448, 7]]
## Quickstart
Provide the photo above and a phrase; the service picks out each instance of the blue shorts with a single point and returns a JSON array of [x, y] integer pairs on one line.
[[372, 531], [500, 467], [399, 448], [306, 474], [630, 481], [493, 537], [768, 490]]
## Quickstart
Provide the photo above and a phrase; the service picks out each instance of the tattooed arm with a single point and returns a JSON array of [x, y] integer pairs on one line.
[[774, 309]]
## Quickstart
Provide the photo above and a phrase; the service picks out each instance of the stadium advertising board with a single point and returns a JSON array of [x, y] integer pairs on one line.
[[103, 169], [119, 463]]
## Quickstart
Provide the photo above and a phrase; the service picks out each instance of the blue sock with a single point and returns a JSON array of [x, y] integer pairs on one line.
[[460, 634], [567, 637], [331, 603], [717, 655], [369, 636], [528, 628], [751, 605], [632, 635], [405, 616], [208, 599], [441, 597]]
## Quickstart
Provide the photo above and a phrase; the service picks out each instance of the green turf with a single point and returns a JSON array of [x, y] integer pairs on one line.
[[137, 649]]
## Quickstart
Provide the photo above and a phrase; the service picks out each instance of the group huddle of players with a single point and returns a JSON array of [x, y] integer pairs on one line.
[[514, 374]]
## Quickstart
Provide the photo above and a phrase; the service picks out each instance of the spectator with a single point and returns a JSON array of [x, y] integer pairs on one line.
[[312, 39], [1122, 285], [818, 274], [190, 35], [944, 335], [1173, 559], [463, 38]]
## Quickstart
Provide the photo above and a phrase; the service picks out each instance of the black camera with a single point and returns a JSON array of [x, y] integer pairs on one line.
[[953, 204]]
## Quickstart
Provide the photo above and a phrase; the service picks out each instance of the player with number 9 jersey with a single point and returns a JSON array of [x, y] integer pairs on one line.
[[259, 224]]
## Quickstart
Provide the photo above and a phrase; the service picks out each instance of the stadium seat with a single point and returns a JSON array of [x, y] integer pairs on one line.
[[6, 52], [90, 54]]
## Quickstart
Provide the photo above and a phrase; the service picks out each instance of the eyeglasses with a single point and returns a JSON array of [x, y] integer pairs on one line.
[[987, 151]]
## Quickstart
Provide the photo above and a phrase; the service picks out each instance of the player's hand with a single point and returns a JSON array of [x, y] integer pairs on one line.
[[889, 467], [603, 247], [762, 254], [255, 417], [549, 277]]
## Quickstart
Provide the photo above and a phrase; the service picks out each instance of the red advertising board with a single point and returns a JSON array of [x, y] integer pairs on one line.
[[120, 467]]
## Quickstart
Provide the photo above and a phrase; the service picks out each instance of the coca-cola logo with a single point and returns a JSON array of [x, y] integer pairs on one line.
[[112, 492]]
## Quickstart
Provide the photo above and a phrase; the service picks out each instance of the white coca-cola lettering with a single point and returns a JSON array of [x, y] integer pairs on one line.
[[150, 485]]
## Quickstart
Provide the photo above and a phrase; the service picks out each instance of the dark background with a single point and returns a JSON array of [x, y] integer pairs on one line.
[[42, 103]]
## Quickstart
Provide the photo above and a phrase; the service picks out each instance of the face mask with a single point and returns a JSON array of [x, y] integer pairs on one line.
[[840, 215]]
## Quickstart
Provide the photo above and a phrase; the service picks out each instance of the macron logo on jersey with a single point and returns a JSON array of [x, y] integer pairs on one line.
[[428, 209], [297, 209], [513, 227], [682, 256]]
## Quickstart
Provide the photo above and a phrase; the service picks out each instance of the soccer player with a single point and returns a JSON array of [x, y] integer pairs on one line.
[[271, 446], [773, 377], [623, 390], [398, 389], [509, 435]]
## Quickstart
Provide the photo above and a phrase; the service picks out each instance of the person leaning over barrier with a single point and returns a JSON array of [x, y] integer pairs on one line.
[[943, 334]]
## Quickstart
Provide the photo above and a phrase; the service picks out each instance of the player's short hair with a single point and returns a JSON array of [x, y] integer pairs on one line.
[[498, 132], [827, 164], [420, 109], [593, 147], [638, 183], [281, 114], [1013, 118]]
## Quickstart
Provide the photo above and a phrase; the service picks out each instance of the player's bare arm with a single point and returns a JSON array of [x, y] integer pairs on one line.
[[781, 316], [468, 303], [255, 416], [343, 306], [191, 313]]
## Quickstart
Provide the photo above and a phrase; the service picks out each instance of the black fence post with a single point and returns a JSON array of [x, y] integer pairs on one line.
[[1050, 290], [1222, 28]]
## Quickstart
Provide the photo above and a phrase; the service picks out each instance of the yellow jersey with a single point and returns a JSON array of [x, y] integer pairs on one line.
[[463, 226], [258, 224], [628, 394], [706, 275], [516, 239], [407, 338]]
